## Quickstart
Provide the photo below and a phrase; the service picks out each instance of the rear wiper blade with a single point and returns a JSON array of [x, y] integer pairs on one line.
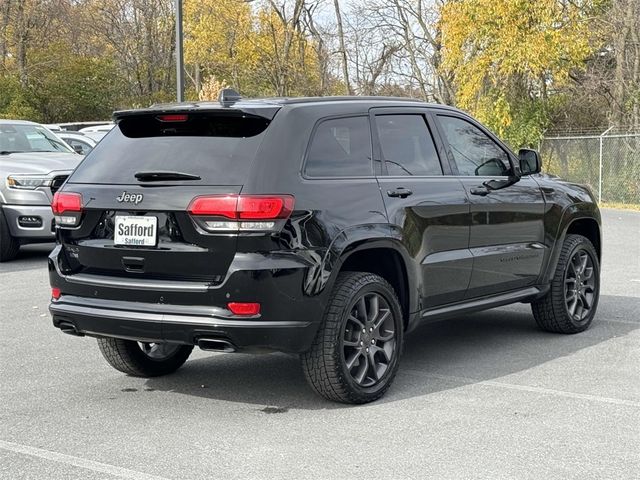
[[165, 175]]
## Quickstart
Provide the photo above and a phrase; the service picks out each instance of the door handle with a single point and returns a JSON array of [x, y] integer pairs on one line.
[[482, 191], [400, 192]]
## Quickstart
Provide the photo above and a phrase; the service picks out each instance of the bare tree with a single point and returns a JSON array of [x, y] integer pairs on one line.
[[415, 23], [625, 41], [4, 24], [30, 20], [372, 50], [343, 50], [141, 33], [319, 45], [291, 21]]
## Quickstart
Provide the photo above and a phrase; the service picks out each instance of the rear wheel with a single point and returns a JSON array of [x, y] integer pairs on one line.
[[354, 357], [9, 246], [141, 359], [571, 303]]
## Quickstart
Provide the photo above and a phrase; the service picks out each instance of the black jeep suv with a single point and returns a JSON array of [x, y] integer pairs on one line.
[[328, 227]]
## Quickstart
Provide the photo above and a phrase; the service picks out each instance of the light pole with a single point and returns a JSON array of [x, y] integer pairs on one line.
[[179, 53]]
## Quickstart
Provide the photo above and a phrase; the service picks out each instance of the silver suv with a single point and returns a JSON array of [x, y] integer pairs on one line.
[[34, 163]]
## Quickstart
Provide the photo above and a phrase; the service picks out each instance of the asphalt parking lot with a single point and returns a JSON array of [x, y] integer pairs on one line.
[[486, 395]]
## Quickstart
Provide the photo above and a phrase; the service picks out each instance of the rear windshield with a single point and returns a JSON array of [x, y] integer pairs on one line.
[[217, 148]]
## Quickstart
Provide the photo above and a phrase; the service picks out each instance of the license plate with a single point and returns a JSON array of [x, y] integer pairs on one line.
[[136, 231]]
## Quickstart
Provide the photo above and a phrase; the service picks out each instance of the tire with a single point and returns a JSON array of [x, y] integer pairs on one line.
[[340, 340], [553, 312], [9, 246], [129, 357]]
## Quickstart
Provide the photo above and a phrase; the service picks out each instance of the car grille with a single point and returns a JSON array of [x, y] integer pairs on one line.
[[57, 182]]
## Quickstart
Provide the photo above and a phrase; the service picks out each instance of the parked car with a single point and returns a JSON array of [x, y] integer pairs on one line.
[[34, 163], [75, 126], [97, 132], [80, 143], [328, 227]]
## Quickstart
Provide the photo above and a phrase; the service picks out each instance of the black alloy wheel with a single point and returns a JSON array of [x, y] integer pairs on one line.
[[355, 355], [158, 351], [571, 302], [580, 285], [369, 339]]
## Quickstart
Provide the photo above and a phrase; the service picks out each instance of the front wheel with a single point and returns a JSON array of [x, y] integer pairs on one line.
[[570, 304], [141, 359], [8, 245], [354, 357]]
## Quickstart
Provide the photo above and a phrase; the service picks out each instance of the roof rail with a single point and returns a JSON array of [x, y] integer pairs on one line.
[[355, 98]]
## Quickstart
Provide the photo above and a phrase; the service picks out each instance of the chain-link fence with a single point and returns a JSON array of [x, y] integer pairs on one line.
[[609, 163]]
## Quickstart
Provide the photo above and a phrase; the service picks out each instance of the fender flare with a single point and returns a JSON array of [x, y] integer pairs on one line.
[[322, 275], [570, 214]]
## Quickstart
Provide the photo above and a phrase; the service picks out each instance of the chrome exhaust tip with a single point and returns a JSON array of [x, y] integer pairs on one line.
[[216, 345]]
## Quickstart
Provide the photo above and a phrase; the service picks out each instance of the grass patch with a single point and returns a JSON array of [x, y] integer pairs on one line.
[[621, 206]]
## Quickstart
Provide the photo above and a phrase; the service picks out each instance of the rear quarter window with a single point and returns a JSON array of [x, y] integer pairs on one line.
[[340, 147], [218, 148]]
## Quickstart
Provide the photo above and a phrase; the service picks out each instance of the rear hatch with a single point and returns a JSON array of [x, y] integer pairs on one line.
[[125, 211]]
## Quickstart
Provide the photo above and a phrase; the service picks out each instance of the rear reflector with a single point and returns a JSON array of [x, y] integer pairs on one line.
[[66, 202], [253, 211], [247, 309], [55, 293], [173, 118]]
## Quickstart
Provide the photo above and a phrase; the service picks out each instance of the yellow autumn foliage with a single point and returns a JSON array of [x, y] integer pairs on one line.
[[508, 52], [211, 89], [229, 39]]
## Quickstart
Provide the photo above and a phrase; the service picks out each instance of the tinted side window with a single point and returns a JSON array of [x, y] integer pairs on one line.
[[341, 147], [475, 152], [407, 145]]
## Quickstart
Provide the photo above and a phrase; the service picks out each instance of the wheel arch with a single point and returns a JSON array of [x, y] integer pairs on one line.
[[384, 257], [579, 219], [587, 227]]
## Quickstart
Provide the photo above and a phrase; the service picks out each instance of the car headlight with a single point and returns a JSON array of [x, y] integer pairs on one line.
[[26, 182]]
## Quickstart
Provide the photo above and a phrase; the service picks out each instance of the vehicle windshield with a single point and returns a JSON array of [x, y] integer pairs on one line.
[[18, 138]]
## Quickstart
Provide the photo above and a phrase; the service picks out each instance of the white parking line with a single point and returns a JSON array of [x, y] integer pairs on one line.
[[526, 388], [611, 320], [77, 461]]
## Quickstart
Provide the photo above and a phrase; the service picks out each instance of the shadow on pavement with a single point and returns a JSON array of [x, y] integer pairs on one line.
[[482, 346], [29, 257]]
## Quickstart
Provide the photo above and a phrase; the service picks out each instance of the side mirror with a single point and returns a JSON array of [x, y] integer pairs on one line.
[[78, 149], [530, 162], [491, 168]]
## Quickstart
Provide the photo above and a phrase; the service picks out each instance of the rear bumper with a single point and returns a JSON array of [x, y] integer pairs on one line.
[[183, 312], [150, 323], [15, 213]]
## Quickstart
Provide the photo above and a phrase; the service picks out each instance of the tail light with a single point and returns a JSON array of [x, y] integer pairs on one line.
[[241, 212], [67, 209], [55, 293], [245, 309]]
